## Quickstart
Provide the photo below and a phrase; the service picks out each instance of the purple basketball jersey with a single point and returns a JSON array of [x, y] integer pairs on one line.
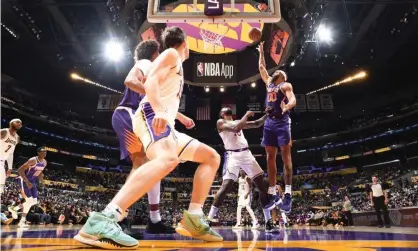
[[274, 97], [130, 99]]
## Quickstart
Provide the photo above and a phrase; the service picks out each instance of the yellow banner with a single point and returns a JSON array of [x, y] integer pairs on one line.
[[50, 182]]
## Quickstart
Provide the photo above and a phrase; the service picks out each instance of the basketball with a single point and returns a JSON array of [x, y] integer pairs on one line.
[[255, 34]]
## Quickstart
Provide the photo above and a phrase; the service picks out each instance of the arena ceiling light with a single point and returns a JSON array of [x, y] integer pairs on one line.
[[75, 76], [359, 75], [253, 84], [207, 89], [324, 34], [222, 89], [114, 50]]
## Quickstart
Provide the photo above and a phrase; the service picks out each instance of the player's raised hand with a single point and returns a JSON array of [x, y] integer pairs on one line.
[[249, 114], [159, 123], [260, 47]]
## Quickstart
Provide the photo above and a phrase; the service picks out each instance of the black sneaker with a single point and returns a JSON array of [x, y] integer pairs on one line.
[[387, 226], [125, 224], [270, 227], [380, 226], [159, 228]]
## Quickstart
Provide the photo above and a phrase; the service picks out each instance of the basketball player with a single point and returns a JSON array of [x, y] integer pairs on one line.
[[28, 173], [244, 199], [153, 124], [238, 156], [130, 146], [276, 134], [9, 140]]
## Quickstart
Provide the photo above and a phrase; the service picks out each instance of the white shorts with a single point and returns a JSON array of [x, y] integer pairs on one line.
[[2, 172], [234, 161], [186, 145], [242, 202]]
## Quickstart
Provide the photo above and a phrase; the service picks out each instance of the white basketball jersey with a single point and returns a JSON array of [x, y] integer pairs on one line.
[[144, 65], [233, 141], [243, 186], [7, 145], [170, 91]]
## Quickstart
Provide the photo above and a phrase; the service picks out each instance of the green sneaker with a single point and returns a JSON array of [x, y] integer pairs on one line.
[[193, 225], [103, 231]]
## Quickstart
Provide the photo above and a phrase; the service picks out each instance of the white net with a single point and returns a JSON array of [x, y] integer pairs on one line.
[[211, 39]]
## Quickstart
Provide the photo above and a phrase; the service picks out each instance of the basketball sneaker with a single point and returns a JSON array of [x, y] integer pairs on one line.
[[238, 226], [270, 227], [125, 224], [273, 200], [13, 211], [22, 224], [159, 228], [255, 225], [214, 219], [193, 225], [287, 203], [102, 230]]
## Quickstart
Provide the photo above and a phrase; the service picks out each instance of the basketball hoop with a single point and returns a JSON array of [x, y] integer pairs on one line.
[[211, 38]]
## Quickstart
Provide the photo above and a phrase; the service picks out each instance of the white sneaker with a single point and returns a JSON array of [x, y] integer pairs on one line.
[[23, 224], [13, 212], [238, 226], [256, 225]]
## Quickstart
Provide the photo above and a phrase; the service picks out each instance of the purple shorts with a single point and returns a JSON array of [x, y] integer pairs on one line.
[[148, 114], [276, 133], [29, 192], [129, 143]]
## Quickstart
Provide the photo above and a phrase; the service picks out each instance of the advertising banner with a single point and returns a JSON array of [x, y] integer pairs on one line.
[[404, 217], [215, 69]]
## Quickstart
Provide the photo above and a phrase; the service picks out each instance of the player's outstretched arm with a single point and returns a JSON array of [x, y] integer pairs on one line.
[[256, 123], [186, 121], [262, 65], [287, 89], [159, 71], [233, 126], [135, 79]]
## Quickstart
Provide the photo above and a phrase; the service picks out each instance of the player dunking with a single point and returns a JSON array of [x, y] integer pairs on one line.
[[130, 146], [244, 199], [238, 156], [28, 173], [154, 124], [276, 134], [9, 140]]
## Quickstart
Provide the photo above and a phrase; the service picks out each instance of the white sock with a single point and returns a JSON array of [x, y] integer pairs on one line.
[[195, 208], [115, 211], [23, 219], [213, 212], [267, 215], [272, 190], [284, 218], [155, 216], [288, 189]]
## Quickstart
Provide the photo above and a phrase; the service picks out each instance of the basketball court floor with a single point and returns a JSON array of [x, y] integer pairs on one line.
[[295, 239]]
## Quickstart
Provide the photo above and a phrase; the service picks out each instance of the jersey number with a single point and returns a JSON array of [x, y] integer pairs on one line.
[[271, 97], [8, 148]]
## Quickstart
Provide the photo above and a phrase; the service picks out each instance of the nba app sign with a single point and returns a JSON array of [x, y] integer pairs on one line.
[[218, 69]]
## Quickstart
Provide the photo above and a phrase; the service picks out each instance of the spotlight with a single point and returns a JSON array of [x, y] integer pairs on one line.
[[324, 34], [292, 64], [222, 89], [74, 76], [207, 89], [88, 81], [253, 84], [114, 51]]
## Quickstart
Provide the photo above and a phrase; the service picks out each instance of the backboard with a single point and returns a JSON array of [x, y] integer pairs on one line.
[[213, 11]]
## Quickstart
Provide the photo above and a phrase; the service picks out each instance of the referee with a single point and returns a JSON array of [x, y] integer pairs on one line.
[[379, 199]]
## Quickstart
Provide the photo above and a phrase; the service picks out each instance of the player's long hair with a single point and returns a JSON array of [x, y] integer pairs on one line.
[[173, 37]]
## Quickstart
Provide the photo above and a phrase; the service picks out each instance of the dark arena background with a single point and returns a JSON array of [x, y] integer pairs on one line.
[[353, 68]]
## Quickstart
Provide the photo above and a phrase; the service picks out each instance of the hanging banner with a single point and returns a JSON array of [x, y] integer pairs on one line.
[[313, 102], [326, 102], [300, 103], [108, 102], [182, 106], [215, 69], [254, 105]]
